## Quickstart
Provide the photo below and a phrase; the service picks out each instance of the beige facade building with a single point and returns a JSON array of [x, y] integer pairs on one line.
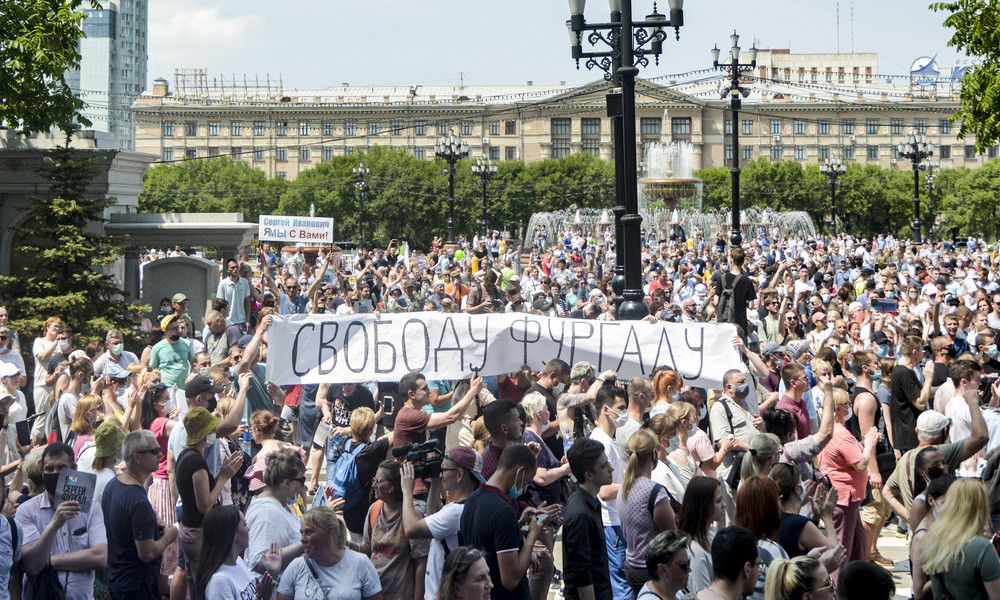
[[859, 118]]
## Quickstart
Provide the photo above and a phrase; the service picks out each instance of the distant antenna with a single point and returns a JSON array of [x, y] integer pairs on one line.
[[838, 27], [461, 79]]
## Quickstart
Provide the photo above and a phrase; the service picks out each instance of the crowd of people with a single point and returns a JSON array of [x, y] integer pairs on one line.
[[867, 394]]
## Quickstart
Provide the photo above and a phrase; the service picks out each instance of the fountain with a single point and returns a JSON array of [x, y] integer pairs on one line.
[[669, 179]]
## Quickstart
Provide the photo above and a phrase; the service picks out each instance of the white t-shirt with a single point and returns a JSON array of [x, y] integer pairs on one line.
[[609, 508], [443, 525], [232, 582], [67, 408], [269, 521], [353, 578]]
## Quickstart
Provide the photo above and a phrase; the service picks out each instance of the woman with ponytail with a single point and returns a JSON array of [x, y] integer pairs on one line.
[[765, 451], [667, 386], [643, 506], [801, 578]]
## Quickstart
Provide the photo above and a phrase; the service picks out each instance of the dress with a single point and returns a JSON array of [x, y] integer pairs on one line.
[[160, 497]]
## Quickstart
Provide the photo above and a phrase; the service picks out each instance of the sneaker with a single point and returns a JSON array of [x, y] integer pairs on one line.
[[880, 560], [901, 533]]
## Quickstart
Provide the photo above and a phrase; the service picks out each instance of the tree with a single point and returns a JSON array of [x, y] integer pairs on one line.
[[66, 278], [39, 43], [977, 33]]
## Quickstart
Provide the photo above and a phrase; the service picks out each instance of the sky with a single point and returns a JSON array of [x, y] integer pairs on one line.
[[314, 44]]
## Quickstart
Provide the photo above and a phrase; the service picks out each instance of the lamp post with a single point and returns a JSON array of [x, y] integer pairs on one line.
[[627, 45], [917, 149], [360, 189], [930, 186], [833, 169], [486, 169], [734, 69], [451, 149]]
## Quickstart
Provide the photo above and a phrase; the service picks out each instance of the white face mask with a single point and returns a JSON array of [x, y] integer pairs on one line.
[[62, 345], [702, 413], [675, 443], [210, 439], [558, 388], [620, 420], [545, 426]]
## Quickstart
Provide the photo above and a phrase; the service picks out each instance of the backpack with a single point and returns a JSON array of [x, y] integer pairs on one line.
[[726, 313], [345, 475]]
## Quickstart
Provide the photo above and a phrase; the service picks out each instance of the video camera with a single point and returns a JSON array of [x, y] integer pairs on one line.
[[425, 458]]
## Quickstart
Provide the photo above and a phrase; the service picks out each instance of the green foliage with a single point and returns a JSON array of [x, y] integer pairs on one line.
[[977, 34], [39, 42], [65, 278]]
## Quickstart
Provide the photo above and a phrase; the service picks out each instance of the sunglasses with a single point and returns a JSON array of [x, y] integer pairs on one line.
[[155, 451]]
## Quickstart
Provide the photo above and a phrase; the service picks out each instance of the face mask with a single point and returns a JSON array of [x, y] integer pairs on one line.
[[877, 375], [826, 298], [117, 349], [210, 439], [290, 500], [620, 420], [50, 479], [781, 290], [63, 345], [952, 309], [205, 371], [675, 443], [674, 396], [912, 295], [545, 426], [882, 350], [168, 406], [802, 493], [173, 337], [514, 491], [992, 352], [702, 413], [167, 310], [742, 391], [936, 511], [558, 388]]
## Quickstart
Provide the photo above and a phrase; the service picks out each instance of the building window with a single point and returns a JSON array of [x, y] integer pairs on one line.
[[560, 148], [190, 129], [747, 128], [921, 126], [896, 126], [775, 127], [168, 129], [327, 153], [350, 128], [871, 126], [561, 126], [420, 153], [190, 153], [442, 129], [213, 152], [236, 128], [259, 127], [729, 127], [728, 157], [894, 151], [420, 128], [872, 152], [800, 153], [281, 128], [970, 152], [680, 126], [848, 127], [495, 152], [800, 126], [824, 152], [510, 127], [824, 127], [327, 128], [777, 153], [991, 152], [747, 153], [848, 152], [944, 151], [258, 153], [592, 146], [510, 152], [348, 150], [236, 152], [397, 128], [466, 127], [494, 127], [168, 154], [281, 174], [944, 127], [213, 128], [304, 153], [590, 126], [303, 128], [373, 128], [281, 154], [649, 126]]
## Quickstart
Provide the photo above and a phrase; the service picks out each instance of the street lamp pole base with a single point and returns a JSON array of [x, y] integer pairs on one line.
[[735, 239], [632, 308]]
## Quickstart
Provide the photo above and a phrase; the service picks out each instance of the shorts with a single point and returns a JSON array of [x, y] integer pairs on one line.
[[876, 511], [322, 434], [290, 413]]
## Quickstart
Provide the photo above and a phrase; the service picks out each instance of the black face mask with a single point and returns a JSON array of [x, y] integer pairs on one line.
[[174, 337], [50, 479], [935, 472]]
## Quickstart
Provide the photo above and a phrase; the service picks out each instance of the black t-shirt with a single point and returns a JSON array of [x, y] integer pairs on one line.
[[905, 389], [554, 442], [128, 516], [367, 462], [56, 360], [490, 523], [188, 463], [940, 374], [342, 406], [743, 293]]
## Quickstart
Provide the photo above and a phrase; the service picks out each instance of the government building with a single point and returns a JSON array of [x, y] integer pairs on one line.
[[802, 107]]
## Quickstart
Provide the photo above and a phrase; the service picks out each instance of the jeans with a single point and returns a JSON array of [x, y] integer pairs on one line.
[[615, 540]]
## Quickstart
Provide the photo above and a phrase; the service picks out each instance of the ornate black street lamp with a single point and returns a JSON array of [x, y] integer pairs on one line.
[[486, 169], [930, 186], [620, 62], [917, 149], [451, 150], [360, 190], [833, 169]]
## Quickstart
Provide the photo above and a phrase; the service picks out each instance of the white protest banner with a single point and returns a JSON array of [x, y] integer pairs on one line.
[[357, 348], [314, 230]]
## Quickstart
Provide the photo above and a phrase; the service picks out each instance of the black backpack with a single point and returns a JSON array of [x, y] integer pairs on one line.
[[726, 312]]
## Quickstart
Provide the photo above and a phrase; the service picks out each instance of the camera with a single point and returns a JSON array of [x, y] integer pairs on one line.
[[425, 458]]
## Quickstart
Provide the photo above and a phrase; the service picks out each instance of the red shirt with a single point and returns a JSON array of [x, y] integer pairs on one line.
[[803, 424], [410, 427], [837, 462]]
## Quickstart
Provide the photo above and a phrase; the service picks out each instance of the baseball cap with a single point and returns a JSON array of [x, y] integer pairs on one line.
[[178, 298], [299, 245], [9, 370], [880, 338], [167, 321], [797, 348], [817, 317], [541, 304], [114, 371], [770, 348], [468, 459], [199, 385], [243, 341], [931, 422]]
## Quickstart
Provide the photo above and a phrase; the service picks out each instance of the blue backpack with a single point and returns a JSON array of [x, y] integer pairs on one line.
[[345, 475]]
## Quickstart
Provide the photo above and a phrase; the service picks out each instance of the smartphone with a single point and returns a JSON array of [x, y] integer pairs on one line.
[[23, 429], [387, 404], [885, 305]]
